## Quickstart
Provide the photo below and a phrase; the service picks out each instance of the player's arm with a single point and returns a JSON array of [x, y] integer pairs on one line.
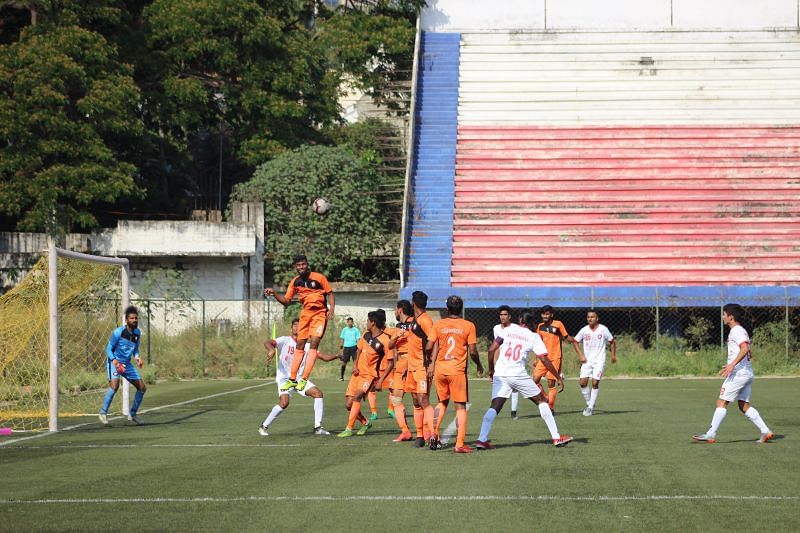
[[552, 369], [571, 339], [473, 354], [432, 348], [331, 304], [744, 349], [355, 360], [270, 345], [136, 356], [327, 358], [493, 349], [581, 357], [386, 373], [110, 348], [613, 343]]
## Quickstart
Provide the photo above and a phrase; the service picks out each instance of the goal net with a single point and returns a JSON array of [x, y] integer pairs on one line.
[[53, 334]]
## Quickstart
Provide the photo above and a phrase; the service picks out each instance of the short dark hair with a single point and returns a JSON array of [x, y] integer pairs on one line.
[[405, 307], [420, 299], [505, 308], [299, 257], [131, 310], [546, 309], [455, 305], [734, 310], [530, 320], [593, 311], [378, 317], [349, 318], [295, 321]]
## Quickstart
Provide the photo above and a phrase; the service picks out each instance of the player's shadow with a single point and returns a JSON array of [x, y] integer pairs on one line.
[[776, 437], [580, 411], [548, 442]]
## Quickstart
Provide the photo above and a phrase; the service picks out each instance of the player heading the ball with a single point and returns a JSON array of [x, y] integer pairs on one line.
[[316, 296]]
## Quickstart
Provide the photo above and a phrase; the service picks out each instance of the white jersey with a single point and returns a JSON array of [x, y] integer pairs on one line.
[[498, 330], [512, 357], [736, 337], [594, 342], [285, 347]]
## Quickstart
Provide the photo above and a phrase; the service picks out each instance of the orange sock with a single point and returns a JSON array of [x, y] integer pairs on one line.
[[297, 360], [419, 420], [551, 397], [355, 413], [461, 422], [390, 407], [362, 419], [438, 415], [400, 416], [428, 421], [372, 404], [310, 359]]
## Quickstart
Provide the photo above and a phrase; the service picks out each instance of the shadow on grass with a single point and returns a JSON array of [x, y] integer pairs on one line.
[[546, 442], [580, 411], [776, 437]]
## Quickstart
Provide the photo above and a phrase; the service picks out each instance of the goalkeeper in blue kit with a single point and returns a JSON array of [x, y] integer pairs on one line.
[[121, 348]]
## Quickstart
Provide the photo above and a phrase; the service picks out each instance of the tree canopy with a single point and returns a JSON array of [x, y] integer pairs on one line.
[[112, 107]]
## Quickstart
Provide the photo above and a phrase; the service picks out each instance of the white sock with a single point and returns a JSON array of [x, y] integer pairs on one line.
[[486, 425], [755, 418], [547, 416], [593, 397], [514, 400], [275, 413], [318, 410], [716, 420], [585, 391]]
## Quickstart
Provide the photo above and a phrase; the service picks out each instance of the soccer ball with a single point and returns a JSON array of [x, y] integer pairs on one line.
[[321, 206]]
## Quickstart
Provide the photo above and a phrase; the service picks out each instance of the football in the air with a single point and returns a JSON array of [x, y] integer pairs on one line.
[[321, 206]]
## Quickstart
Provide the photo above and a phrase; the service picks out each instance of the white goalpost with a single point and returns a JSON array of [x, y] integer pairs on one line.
[[53, 254]]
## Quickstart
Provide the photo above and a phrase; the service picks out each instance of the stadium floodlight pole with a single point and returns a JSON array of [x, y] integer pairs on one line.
[[53, 255]]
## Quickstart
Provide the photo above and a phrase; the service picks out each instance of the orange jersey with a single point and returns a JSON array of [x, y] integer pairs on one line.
[[404, 328], [454, 336], [311, 291], [371, 351], [552, 336], [421, 330], [389, 356]]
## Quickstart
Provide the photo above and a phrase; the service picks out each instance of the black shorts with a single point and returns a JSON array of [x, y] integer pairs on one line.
[[349, 353]]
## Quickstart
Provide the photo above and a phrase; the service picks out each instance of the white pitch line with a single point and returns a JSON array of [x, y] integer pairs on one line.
[[490, 498], [206, 445], [76, 426]]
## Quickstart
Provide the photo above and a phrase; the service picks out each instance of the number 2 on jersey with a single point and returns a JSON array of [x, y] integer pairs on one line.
[[451, 346]]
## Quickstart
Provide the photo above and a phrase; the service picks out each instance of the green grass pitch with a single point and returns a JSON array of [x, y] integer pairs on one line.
[[200, 465]]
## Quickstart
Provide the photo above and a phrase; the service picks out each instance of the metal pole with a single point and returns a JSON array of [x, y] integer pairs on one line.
[[147, 306], [658, 324], [126, 300], [52, 301], [203, 340]]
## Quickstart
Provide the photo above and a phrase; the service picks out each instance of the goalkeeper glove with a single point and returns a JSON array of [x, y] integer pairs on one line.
[[119, 366], [139, 362]]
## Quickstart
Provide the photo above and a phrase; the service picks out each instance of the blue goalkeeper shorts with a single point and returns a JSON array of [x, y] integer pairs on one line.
[[131, 372]]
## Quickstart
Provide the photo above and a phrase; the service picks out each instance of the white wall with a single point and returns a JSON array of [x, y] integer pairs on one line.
[[184, 238], [477, 15]]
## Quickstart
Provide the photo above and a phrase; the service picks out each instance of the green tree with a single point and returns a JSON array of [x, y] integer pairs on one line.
[[67, 122], [288, 185]]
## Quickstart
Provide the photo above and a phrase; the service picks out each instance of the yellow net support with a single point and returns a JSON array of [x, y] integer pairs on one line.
[[89, 308]]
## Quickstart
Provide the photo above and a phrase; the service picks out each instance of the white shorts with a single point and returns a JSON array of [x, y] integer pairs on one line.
[[502, 387], [309, 386], [592, 369], [736, 387]]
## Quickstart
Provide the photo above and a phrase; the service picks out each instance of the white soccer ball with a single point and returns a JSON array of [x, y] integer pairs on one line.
[[321, 206]]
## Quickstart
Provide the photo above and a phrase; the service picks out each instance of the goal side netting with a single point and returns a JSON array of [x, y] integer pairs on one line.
[[54, 326]]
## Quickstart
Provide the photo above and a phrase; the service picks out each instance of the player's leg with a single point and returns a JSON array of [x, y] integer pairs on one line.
[[400, 415], [597, 373], [113, 386], [345, 357], [141, 388], [317, 324], [283, 402], [536, 395], [586, 372], [501, 391], [728, 393], [303, 334], [552, 391], [312, 391], [752, 414], [442, 383], [459, 393], [514, 405], [372, 398]]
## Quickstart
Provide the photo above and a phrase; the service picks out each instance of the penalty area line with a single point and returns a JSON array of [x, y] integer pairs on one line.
[[152, 409], [490, 498]]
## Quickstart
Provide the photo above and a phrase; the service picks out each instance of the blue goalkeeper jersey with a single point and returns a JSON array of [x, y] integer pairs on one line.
[[123, 344]]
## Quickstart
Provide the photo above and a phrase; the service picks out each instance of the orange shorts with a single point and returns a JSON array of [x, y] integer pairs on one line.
[[540, 370], [400, 368], [312, 324], [417, 382], [452, 387], [388, 383], [359, 384]]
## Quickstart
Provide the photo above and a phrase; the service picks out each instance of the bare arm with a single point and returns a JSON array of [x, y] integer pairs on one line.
[[281, 300], [473, 353], [382, 378], [493, 349], [270, 350], [744, 349], [327, 358], [570, 338], [331, 305], [613, 351], [432, 348]]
